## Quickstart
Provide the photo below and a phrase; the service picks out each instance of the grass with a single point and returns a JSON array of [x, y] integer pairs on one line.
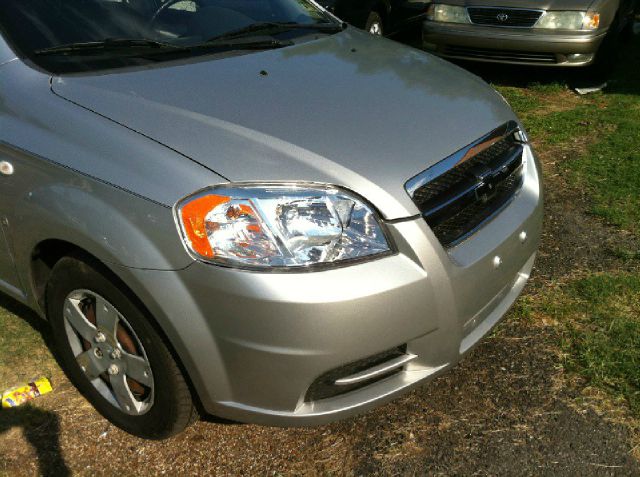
[[602, 341], [601, 133], [598, 138], [626, 254], [598, 317], [23, 352], [611, 171], [520, 99]]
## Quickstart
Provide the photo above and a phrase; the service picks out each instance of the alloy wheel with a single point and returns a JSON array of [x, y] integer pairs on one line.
[[109, 352]]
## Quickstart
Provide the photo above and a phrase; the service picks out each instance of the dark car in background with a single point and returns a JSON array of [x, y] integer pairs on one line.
[[379, 17]]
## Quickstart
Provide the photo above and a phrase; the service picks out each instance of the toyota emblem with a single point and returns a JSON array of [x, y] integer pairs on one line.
[[502, 17]]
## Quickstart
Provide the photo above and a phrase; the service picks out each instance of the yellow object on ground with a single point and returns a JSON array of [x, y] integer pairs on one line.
[[19, 395]]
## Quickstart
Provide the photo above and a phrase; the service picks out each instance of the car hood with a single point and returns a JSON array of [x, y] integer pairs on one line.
[[350, 109], [537, 5]]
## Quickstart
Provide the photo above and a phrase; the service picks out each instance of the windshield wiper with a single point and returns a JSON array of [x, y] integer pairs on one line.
[[269, 28], [241, 43], [109, 44], [144, 47]]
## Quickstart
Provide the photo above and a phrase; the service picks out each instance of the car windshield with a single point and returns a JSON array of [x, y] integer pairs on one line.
[[83, 35]]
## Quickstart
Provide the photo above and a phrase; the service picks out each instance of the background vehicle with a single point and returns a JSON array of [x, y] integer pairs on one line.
[[547, 33], [194, 235], [378, 17]]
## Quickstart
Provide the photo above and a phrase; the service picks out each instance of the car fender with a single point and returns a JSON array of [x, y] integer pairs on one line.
[[608, 10], [51, 203]]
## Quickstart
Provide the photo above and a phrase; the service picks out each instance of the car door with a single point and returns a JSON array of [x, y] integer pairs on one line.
[[9, 281]]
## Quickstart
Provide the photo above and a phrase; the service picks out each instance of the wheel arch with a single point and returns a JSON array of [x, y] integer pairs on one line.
[[48, 253], [109, 224]]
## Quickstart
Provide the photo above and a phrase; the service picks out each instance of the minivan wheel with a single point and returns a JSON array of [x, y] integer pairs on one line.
[[606, 57], [374, 24], [112, 353]]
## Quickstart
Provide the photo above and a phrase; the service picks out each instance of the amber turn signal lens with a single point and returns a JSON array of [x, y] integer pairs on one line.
[[592, 21], [193, 215]]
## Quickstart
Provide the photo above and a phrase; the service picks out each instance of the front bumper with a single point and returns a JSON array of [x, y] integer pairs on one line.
[[511, 45], [254, 343]]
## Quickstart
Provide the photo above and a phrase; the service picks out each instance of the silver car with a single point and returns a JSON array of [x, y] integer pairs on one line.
[[541, 32], [250, 209]]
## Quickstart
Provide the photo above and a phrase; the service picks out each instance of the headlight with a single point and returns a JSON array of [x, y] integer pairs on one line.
[[257, 226], [569, 21], [447, 13]]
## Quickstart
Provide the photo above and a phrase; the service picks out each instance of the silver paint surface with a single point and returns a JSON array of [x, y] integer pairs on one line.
[[100, 160]]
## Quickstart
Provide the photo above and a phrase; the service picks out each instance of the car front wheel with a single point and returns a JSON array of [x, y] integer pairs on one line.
[[112, 352]]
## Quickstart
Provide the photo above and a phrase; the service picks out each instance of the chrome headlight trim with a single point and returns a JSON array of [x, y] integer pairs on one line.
[[259, 193]]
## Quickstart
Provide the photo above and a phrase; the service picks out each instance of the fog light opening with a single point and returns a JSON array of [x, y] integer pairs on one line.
[[578, 57]]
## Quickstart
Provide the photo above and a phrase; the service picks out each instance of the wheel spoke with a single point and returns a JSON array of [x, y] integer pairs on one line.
[[106, 317], [77, 320], [115, 362], [122, 393], [91, 364], [137, 369]]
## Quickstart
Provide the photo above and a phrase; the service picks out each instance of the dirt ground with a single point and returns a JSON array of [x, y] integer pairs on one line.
[[507, 409]]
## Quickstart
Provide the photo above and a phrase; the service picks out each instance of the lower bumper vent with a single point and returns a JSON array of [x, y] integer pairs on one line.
[[359, 374], [499, 55]]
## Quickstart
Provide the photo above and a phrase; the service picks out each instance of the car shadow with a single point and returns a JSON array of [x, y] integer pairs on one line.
[[572, 78], [521, 76], [40, 427], [27, 315]]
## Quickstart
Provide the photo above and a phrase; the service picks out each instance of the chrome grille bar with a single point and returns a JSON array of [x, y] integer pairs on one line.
[[460, 193]]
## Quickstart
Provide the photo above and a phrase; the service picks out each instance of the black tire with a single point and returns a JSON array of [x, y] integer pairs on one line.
[[607, 56], [374, 24], [603, 65], [172, 408], [628, 34]]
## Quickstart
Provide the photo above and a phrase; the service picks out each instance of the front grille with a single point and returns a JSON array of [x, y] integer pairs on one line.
[[459, 194], [324, 387], [499, 55], [507, 17]]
